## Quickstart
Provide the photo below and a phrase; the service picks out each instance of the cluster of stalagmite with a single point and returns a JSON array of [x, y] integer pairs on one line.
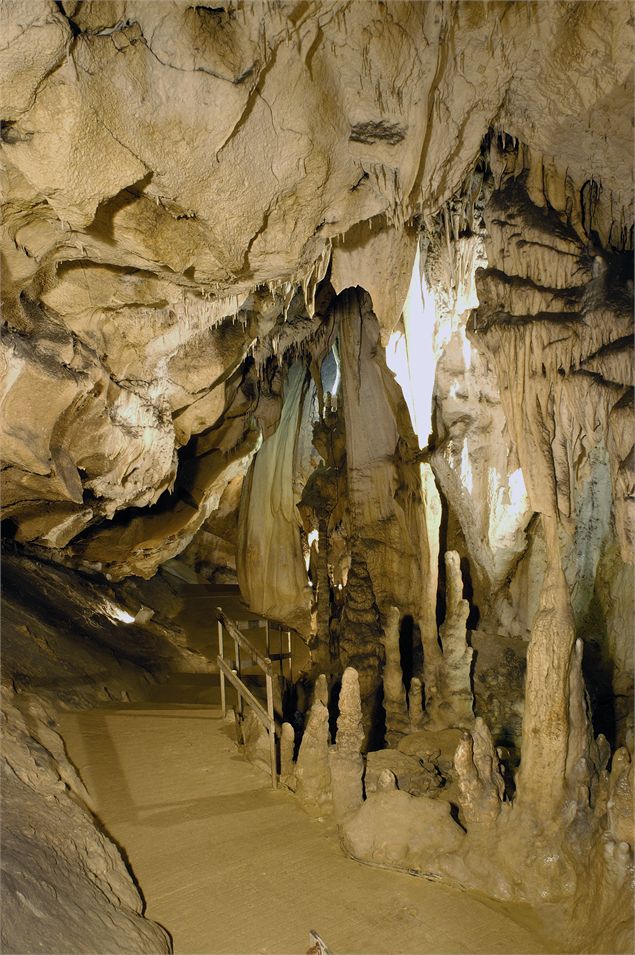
[[481, 786], [565, 801], [447, 678], [327, 778], [504, 845]]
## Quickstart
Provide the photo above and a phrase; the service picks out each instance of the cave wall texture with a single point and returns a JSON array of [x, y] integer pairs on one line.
[[345, 286]]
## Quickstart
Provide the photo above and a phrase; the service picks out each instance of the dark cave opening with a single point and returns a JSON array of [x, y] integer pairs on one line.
[[408, 640]]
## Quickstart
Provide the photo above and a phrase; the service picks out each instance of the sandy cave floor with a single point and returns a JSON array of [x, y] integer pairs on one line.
[[227, 865]]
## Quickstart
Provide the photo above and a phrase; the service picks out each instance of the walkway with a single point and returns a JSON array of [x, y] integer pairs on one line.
[[227, 865]]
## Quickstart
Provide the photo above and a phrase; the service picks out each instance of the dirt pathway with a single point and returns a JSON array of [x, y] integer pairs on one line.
[[229, 866]]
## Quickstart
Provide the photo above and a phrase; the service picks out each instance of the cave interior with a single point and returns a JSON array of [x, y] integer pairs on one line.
[[317, 346]]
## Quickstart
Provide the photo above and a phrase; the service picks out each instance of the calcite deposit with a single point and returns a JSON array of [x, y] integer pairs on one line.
[[335, 301]]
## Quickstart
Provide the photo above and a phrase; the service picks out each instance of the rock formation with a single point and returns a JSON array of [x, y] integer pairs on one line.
[[270, 563], [287, 746], [64, 646], [395, 705], [449, 685], [306, 296], [312, 770], [481, 785], [410, 773], [398, 830], [345, 758]]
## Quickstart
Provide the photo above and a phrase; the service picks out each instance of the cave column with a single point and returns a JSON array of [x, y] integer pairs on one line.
[[323, 595], [384, 494], [545, 732], [556, 728]]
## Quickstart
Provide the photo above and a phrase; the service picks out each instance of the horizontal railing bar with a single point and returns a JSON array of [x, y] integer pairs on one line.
[[247, 695], [235, 634], [261, 624], [280, 656]]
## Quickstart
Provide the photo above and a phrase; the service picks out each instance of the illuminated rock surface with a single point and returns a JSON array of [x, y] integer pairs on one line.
[[334, 301]]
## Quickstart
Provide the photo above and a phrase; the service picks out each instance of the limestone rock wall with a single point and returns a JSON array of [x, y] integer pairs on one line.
[[64, 881], [554, 304], [67, 642]]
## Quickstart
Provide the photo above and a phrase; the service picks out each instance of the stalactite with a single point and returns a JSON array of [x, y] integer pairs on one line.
[[270, 563]]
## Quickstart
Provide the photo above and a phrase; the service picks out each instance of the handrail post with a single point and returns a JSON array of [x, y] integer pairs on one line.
[[281, 664], [289, 651], [237, 668], [267, 717], [272, 729], [222, 675]]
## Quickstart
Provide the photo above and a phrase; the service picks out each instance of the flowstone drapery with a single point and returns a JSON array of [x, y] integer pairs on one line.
[[270, 562]]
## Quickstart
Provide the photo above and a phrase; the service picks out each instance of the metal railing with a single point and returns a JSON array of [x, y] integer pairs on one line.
[[234, 675], [284, 637]]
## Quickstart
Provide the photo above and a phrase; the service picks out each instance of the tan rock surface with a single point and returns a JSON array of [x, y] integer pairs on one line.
[[136, 259], [203, 207]]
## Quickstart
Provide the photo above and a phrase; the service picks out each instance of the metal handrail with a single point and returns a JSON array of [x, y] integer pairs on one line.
[[261, 623], [266, 717], [263, 662]]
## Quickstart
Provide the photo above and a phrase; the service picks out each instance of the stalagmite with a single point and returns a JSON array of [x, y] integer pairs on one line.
[[321, 690], [255, 741], [415, 704], [345, 758], [397, 721], [545, 741], [350, 730], [620, 798], [481, 785], [287, 764], [452, 703], [313, 775]]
